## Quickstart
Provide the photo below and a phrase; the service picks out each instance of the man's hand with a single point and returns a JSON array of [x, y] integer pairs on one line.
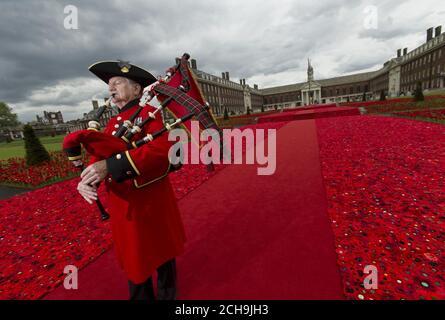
[[89, 193], [94, 173]]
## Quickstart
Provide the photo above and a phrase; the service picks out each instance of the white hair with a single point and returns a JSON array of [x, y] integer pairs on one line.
[[132, 82]]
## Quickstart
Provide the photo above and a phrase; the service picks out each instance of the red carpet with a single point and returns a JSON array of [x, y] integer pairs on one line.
[[266, 237], [310, 113], [100, 280], [254, 237]]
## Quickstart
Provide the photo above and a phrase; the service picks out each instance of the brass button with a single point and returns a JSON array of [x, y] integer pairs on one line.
[[109, 180], [116, 126], [129, 173], [118, 157], [119, 118], [113, 133]]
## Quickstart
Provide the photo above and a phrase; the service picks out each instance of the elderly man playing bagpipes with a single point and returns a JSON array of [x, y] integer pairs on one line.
[[132, 156]]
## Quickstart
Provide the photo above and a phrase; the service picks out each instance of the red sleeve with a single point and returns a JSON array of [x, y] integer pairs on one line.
[[93, 158]]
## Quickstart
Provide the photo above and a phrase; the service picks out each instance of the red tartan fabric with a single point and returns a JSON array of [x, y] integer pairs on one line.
[[184, 103]]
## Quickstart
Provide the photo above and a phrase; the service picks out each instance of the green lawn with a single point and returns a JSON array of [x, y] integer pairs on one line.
[[435, 93], [17, 148]]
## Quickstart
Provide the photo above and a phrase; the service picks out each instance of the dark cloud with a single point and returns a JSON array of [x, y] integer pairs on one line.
[[44, 66]]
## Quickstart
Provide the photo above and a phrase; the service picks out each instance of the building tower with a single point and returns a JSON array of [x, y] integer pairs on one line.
[[310, 71]]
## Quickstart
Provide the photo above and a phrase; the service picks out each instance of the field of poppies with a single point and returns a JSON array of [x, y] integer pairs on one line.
[[398, 105], [385, 184], [14, 171], [436, 114]]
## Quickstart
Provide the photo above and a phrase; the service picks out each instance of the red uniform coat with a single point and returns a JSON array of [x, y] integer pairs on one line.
[[146, 223]]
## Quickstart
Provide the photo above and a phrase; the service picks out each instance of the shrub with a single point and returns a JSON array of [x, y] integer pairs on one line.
[[418, 92], [382, 96], [35, 151], [226, 114]]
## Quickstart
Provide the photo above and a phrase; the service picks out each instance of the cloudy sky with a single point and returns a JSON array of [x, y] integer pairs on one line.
[[44, 66]]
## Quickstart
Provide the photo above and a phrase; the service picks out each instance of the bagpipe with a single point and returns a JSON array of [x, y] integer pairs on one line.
[[178, 92]]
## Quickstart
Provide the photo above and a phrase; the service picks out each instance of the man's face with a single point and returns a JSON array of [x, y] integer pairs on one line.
[[122, 90]]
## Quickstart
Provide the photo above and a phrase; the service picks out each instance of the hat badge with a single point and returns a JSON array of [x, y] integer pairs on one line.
[[124, 66]]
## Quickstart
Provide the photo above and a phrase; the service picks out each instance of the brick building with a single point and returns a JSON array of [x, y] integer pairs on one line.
[[397, 77], [50, 118], [425, 64]]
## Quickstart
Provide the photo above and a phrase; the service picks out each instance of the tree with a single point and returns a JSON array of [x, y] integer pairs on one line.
[[418, 92], [262, 108], [364, 96], [226, 114], [382, 95], [248, 111], [7, 118], [35, 151]]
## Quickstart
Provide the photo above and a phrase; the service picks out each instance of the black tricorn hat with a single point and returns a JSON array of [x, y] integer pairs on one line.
[[106, 70]]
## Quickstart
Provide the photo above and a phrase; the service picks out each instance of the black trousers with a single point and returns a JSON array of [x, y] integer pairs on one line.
[[166, 284]]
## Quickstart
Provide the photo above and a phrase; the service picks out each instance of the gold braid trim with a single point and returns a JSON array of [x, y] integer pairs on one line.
[[132, 163], [138, 186], [75, 158]]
